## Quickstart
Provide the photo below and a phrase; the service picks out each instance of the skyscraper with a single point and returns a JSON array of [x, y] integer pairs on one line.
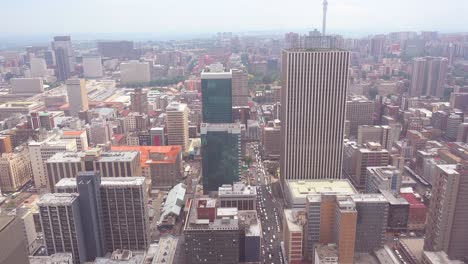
[[240, 90], [77, 96], [313, 105], [139, 101], [448, 213], [61, 224], [220, 148], [177, 125], [217, 95], [64, 57], [14, 245], [428, 76]]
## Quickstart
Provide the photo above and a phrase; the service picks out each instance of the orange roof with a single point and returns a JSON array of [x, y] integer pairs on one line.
[[73, 133], [170, 152]]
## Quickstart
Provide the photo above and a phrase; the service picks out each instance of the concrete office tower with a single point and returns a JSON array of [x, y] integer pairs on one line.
[[216, 95], [359, 111], [377, 46], [64, 57], [27, 85], [313, 105], [271, 142], [331, 218], [38, 67], [15, 170], [61, 224], [134, 72], [92, 66], [123, 201], [240, 89], [28, 224], [372, 211], [357, 159], [386, 178], [80, 137], [6, 145], [14, 248], [125, 211], [220, 149], [385, 135], [462, 135], [110, 164], [40, 152], [77, 96], [177, 125], [139, 101], [210, 239], [88, 186], [448, 213], [237, 195], [428, 76], [453, 123]]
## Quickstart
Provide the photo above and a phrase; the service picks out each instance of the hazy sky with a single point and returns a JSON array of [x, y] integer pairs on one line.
[[38, 17]]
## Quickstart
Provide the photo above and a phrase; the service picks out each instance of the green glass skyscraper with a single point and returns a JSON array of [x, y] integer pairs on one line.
[[220, 148], [217, 95]]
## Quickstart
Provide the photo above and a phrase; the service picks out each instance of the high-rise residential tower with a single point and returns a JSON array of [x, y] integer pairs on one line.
[[313, 105], [139, 101], [77, 96]]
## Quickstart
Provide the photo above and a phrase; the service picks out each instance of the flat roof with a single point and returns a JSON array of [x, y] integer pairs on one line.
[[170, 153], [57, 199], [302, 188], [291, 221], [105, 181], [369, 198], [103, 157]]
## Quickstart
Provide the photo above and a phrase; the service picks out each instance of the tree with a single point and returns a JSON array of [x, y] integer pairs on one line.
[[248, 160]]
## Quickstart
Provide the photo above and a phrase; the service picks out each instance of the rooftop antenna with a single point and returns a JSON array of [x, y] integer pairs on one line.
[[324, 22]]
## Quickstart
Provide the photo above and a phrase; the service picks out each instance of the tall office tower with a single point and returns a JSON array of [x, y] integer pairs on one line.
[[462, 135], [210, 238], [38, 67], [92, 66], [453, 124], [125, 213], [385, 135], [216, 95], [359, 111], [220, 148], [291, 40], [448, 213], [110, 164], [40, 152], [313, 105], [27, 85], [331, 218], [14, 245], [15, 170], [123, 203], [177, 125], [357, 159], [429, 74], [240, 89], [293, 235], [372, 211], [64, 57], [139, 101], [88, 186], [61, 224], [377, 46], [135, 72], [77, 96]]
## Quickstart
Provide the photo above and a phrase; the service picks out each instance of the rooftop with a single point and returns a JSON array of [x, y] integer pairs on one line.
[[112, 156], [105, 181], [291, 220], [54, 258], [300, 189], [57, 199], [176, 106], [166, 250], [169, 154], [439, 257], [73, 133], [369, 198], [237, 190], [194, 223]]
